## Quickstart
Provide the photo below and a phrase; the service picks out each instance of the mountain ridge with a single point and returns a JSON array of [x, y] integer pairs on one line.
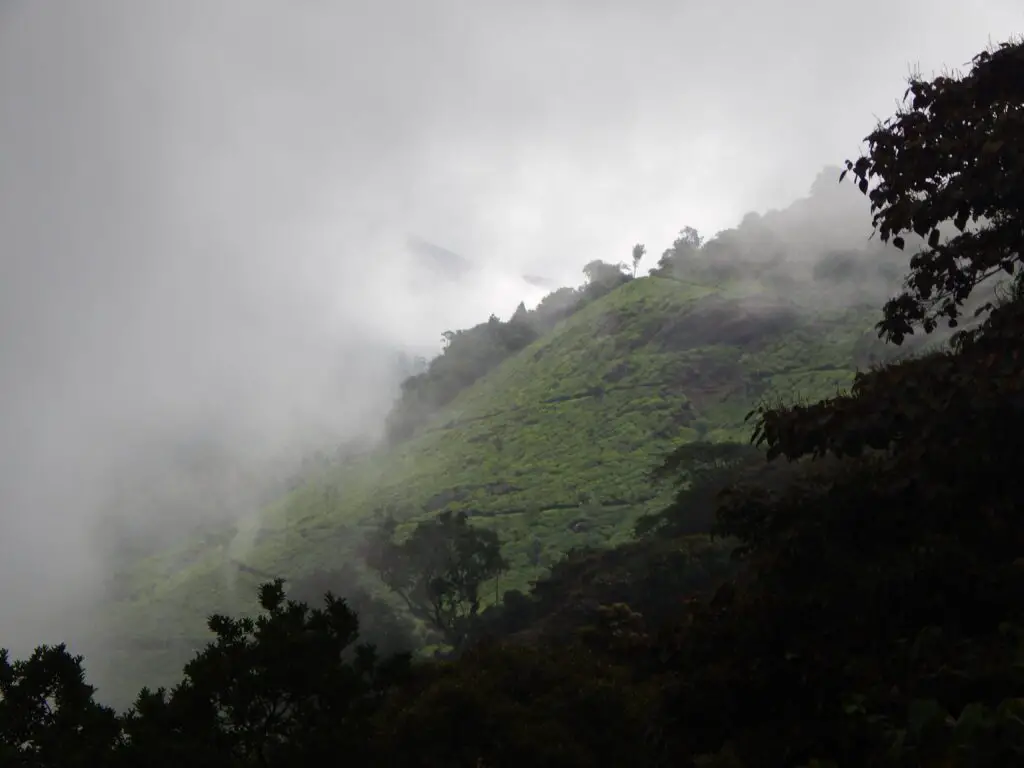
[[550, 440], [539, 487]]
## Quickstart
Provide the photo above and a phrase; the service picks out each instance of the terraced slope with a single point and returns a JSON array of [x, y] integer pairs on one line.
[[552, 448]]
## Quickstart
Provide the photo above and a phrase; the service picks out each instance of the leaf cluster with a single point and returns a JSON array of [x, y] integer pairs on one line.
[[951, 155]]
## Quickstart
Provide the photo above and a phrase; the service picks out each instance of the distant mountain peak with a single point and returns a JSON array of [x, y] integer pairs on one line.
[[439, 259]]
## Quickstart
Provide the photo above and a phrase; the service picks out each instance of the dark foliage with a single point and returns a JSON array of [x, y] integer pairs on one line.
[[952, 154], [701, 471], [280, 689], [389, 630], [438, 571], [48, 715]]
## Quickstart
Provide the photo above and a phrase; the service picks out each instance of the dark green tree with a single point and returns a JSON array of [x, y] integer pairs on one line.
[[290, 687], [48, 716], [439, 570], [381, 624], [951, 154], [701, 471]]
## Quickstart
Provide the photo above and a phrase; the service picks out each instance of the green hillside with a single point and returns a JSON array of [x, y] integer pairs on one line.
[[557, 442], [552, 448], [546, 427]]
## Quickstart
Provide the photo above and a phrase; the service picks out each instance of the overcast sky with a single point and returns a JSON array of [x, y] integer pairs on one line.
[[202, 201]]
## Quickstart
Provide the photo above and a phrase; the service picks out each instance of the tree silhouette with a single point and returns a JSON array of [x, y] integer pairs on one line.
[[438, 570], [48, 715], [280, 689], [638, 253], [951, 154]]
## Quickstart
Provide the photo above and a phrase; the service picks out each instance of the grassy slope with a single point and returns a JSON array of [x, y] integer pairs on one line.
[[553, 446]]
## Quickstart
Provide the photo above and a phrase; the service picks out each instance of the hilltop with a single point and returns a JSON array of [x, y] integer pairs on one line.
[[546, 427]]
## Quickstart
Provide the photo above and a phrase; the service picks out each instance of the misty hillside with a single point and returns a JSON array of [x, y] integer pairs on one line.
[[473, 386], [549, 434], [204, 472], [556, 443]]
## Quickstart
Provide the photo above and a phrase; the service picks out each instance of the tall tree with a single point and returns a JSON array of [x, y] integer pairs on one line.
[[638, 253], [952, 153], [381, 624], [439, 570]]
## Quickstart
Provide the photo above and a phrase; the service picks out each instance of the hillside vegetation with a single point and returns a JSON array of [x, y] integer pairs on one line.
[[545, 428], [550, 445]]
